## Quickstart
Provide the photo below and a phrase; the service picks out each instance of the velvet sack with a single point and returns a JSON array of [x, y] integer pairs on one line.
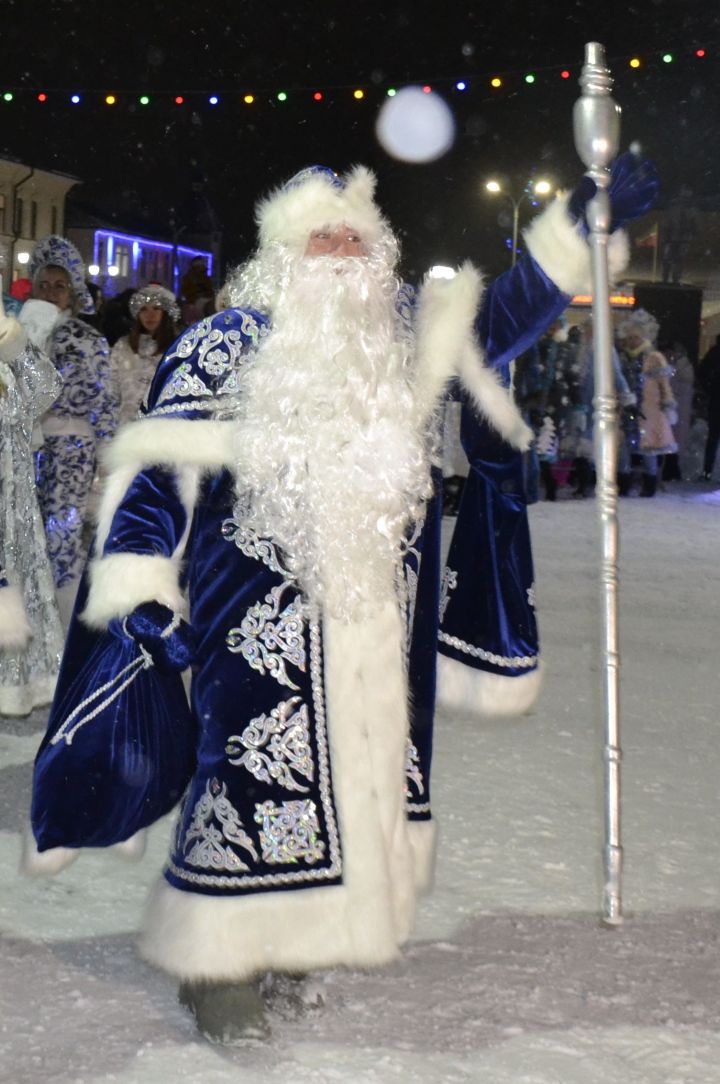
[[120, 746]]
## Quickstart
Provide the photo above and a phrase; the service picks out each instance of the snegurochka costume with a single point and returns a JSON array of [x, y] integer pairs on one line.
[[83, 416], [306, 824], [31, 637]]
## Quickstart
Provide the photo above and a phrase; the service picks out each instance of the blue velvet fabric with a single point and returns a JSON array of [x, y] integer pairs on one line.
[[167, 638], [151, 518], [259, 812], [122, 768], [515, 311], [252, 819], [489, 618]]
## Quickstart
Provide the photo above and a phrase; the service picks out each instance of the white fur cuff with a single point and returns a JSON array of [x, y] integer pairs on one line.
[[35, 863], [465, 690], [122, 581], [15, 629], [556, 243]]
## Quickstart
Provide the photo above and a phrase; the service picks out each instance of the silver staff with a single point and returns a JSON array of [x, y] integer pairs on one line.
[[596, 121]]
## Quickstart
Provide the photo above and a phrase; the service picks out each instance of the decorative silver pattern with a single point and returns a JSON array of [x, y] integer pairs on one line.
[[519, 662], [304, 875], [449, 583], [531, 595], [251, 543], [275, 746], [268, 638], [289, 832], [208, 851], [413, 774]]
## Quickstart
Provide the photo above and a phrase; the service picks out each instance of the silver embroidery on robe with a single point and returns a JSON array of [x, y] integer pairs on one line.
[[209, 849], [449, 583], [289, 832], [407, 579], [275, 746], [413, 774], [250, 542], [182, 384], [268, 637], [531, 595]]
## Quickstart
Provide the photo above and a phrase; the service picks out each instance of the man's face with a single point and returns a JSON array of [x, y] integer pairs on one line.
[[53, 285], [341, 241]]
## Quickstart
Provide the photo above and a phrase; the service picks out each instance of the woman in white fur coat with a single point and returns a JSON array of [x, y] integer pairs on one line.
[[281, 495], [134, 358]]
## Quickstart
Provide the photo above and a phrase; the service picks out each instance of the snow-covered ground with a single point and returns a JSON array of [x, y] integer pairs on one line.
[[511, 977]]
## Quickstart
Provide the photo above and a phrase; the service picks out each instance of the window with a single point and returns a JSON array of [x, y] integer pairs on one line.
[[33, 219], [18, 222], [2, 212], [53, 219]]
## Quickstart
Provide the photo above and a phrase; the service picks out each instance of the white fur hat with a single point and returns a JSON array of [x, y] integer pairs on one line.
[[317, 197], [641, 321]]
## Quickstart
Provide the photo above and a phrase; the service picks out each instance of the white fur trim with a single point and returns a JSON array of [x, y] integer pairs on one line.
[[132, 849], [170, 442], [289, 214], [423, 842], [12, 338], [558, 245], [35, 863], [466, 690], [21, 699], [361, 922], [15, 628], [447, 346], [122, 581], [492, 400]]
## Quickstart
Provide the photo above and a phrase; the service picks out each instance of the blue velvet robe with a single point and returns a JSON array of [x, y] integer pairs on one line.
[[253, 755]]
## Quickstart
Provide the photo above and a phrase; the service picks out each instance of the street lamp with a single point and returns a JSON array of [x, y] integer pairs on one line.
[[536, 188]]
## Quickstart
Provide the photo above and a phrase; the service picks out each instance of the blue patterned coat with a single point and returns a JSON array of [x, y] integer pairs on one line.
[[305, 828]]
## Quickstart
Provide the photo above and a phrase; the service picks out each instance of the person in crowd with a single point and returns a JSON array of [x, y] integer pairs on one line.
[[196, 292], [581, 423], [545, 391], [709, 381], [682, 385], [116, 318], [286, 475], [31, 637], [84, 414], [134, 358], [658, 410]]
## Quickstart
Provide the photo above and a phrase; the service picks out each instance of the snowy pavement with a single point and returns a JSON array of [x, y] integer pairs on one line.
[[511, 979]]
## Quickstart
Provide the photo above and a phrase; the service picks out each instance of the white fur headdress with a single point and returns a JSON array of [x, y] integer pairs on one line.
[[641, 321], [317, 197]]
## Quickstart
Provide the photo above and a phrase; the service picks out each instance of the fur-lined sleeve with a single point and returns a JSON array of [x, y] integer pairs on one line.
[[522, 303]]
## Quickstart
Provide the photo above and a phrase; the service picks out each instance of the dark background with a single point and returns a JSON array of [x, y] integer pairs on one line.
[[146, 167]]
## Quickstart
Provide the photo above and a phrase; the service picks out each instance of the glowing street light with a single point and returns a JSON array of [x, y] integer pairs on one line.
[[537, 188]]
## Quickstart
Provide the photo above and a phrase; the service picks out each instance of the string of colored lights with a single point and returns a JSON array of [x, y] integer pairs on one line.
[[487, 80]]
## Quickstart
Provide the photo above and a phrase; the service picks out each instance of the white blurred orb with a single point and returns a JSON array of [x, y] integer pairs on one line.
[[635, 148], [415, 125]]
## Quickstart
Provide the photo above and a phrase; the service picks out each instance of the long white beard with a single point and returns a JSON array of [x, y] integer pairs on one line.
[[331, 463]]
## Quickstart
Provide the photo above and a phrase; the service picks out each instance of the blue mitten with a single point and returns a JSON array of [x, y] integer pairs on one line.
[[633, 190], [163, 634]]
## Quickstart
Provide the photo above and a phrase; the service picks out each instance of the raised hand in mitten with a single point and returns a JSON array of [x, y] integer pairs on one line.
[[162, 633], [633, 191]]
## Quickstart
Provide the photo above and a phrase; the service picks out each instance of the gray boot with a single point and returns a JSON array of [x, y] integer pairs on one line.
[[291, 995], [232, 1013]]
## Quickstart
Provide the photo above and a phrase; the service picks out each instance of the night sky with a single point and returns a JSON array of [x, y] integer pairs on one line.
[[140, 165]]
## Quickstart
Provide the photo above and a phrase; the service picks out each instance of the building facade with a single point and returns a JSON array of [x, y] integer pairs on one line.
[[32, 205]]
